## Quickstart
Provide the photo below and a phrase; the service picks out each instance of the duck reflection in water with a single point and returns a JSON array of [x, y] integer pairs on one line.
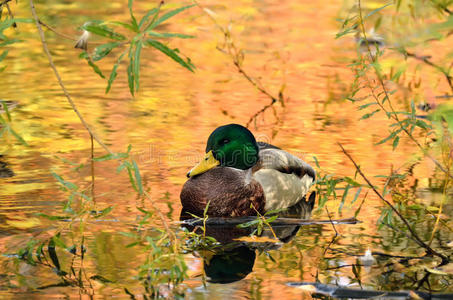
[[5, 171], [234, 259]]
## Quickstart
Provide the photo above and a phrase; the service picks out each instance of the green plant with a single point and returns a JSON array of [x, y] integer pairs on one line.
[[142, 34]]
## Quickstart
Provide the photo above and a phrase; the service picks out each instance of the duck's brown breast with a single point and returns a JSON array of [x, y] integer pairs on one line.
[[226, 190]]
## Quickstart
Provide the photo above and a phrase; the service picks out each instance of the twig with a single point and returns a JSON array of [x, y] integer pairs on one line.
[[414, 234], [237, 57], [276, 222], [57, 75], [56, 32], [446, 136], [333, 225], [92, 169], [426, 60], [10, 13], [161, 216], [262, 110]]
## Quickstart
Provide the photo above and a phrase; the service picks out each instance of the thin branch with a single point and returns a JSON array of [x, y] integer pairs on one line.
[[277, 222], [414, 234], [10, 12], [161, 216], [426, 60], [237, 57], [57, 75], [333, 225], [56, 32]]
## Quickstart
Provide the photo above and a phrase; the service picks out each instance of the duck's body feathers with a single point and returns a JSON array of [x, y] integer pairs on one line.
[[284, 177], [227, 192]]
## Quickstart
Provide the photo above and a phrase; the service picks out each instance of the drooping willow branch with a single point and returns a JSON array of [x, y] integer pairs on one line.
[[79, 115], [60, 81]]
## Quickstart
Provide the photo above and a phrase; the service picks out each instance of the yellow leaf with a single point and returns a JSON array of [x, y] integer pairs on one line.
[[448, 268], [414, 296], [257, 239], [436, 271], [24, 223], [307, 288]]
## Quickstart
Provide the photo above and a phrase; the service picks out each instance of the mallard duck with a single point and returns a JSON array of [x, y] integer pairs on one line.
[[240, 177]]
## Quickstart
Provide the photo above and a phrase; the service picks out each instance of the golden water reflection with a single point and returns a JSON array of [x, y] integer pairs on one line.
[[169, 120]]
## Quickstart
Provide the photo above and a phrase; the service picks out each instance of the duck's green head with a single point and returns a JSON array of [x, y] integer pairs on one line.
[[230, 145]]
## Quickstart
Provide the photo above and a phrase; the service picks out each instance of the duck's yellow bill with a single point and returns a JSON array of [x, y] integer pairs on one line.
[[206, 164]]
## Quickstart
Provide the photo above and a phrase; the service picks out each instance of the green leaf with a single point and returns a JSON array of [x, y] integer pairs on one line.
[[66, 184], [377, 10], [102, 50], [138, 49], [3, 55], [352, 29], [366, 116], [132, 244], [168, 15], [366, 105], [249, 224], [123, 24], [121, 167], [114, 73], [104, 212], [138, 177], [395, 142], [352, 182], [131, 178], [169, 35], [134, 21], [391, 136], [146, 17], [5, 108], [271, 219], [143, 211], [111, 156], [171, 53], [91, 64], [316, 162], [343, 198], [17, 136], [422, 124], [58, 241], [52, 218], [9, 42], [130, 73], [103, 30], [356, 195]]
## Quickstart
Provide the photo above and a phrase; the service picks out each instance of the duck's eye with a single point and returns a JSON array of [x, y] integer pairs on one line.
[[225, 141]]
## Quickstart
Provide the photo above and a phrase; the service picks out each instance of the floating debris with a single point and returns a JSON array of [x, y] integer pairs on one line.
[[350, 293], [367, 259]]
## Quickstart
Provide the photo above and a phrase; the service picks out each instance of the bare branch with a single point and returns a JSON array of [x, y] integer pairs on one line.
[[413, 233]]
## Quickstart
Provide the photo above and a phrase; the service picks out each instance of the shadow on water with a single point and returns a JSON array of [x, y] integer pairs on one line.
[[234, 258], [5, 171]]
